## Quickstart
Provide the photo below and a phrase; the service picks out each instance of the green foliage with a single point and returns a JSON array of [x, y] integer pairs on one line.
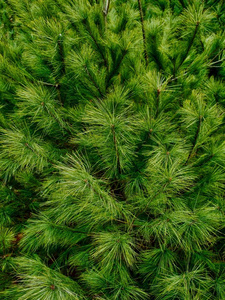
[[112, 149], [6, 239], [192, 284], [40, 282], [26, 151], [112, 249]]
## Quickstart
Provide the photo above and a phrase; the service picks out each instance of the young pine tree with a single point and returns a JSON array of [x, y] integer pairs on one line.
[[112, 150]]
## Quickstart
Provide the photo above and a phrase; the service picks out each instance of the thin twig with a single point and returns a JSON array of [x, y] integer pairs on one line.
[[189, 46], [143, 32], [106, 9], [93, 80], [116, 148], [195, 139]]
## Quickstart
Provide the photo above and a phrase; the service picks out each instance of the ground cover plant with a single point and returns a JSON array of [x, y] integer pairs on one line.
[[112, 149]]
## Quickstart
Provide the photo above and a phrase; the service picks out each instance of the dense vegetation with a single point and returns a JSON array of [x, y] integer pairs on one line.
[[112, 149]]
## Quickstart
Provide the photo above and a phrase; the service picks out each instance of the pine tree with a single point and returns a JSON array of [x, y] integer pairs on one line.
[[112, 149]]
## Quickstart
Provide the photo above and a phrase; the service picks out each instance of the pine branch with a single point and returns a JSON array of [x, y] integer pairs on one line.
[[93, 81], [115, 69], [189, 46], [195, 139], [96, 44], [29, 147], [116, 148], [57, 86], [106, 9], [63, 67], [61, 53], [157, 102], [143, 32]]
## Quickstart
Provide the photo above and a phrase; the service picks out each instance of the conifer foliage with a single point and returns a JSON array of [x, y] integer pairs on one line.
[[112, 149]]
